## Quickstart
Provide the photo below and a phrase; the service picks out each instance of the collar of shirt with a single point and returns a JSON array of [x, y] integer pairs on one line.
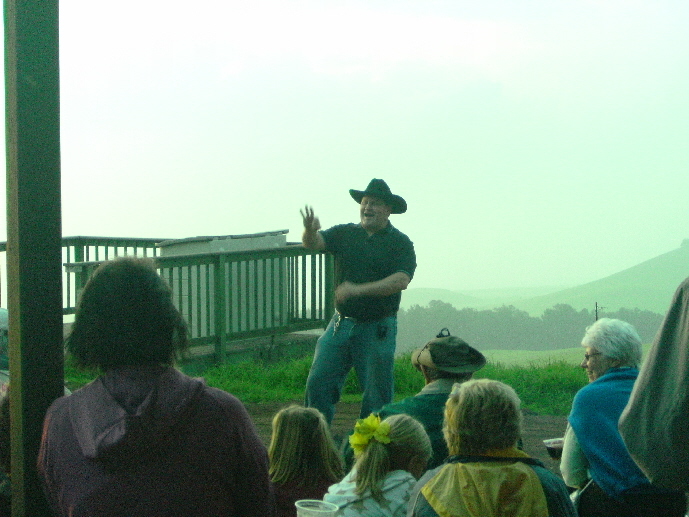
[[438, 386], [383, 231]]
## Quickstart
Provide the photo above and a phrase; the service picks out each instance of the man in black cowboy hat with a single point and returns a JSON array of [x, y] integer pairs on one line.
[[374, 262]]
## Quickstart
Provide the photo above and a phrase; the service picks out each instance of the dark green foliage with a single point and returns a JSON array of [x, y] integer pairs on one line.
[[509, 328]]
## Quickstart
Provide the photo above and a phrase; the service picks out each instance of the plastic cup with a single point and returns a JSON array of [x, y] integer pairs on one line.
[[315, 508]]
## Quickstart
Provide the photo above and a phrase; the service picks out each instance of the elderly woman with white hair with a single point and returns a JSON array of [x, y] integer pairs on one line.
[[595, 460]]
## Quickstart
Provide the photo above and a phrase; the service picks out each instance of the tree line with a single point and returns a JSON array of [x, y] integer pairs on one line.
[[507, 327]]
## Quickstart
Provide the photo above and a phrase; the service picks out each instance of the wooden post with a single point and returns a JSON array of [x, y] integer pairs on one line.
[[34, 279], [222, 303]]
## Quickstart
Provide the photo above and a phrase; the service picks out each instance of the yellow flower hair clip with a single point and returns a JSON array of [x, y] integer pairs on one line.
[[364, 430]]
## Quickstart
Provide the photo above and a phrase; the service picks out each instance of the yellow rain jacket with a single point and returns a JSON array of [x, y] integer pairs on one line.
[[500, 484]]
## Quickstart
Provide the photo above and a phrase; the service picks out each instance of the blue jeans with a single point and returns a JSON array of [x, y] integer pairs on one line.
[[369, 348]]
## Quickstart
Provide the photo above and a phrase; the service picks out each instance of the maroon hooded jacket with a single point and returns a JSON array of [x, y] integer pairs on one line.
[[153, 442]]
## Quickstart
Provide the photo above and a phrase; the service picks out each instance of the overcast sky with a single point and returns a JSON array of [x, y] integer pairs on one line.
[[537, 142]]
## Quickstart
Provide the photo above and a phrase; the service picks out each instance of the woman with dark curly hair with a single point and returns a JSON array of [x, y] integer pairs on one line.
[[143, 438]]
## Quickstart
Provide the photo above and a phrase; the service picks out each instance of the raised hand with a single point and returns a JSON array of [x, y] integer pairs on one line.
[[311, 222]]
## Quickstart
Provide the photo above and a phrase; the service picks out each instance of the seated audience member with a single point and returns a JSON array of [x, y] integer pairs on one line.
[[391, 454], [594, 457], [486, 474], [143, 438], [443, 361], [654, 423], [304, 461]]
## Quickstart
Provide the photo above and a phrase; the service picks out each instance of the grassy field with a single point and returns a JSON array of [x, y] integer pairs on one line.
[[546, 382], [572, 356], [545, 386]]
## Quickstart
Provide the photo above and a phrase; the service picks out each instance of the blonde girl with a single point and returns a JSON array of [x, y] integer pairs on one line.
[[304, 461], [390, 456]]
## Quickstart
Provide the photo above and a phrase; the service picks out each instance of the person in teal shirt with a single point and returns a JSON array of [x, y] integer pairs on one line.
[[443, 361], [595, 460]]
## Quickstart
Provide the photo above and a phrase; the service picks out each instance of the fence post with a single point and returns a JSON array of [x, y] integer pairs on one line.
[[221, 304], [80, 274], [329, 286], [34, 250]]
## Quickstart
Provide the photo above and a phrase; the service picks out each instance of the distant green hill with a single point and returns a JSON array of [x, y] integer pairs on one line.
[[475, 298], [646, 286]]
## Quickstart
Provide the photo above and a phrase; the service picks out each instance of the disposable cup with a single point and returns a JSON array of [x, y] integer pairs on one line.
[[315, 508]]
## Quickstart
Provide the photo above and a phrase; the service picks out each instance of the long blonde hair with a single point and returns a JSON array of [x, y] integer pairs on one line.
[[408, 438], [302, 449]]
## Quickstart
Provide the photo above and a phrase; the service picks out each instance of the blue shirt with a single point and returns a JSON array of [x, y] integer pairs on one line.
[[595, 412]]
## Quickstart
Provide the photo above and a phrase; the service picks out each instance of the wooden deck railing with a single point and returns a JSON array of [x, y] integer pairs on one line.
[[224, 296], [85, 249]]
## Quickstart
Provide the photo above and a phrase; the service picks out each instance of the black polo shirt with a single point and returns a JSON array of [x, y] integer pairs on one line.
[[361, 258]]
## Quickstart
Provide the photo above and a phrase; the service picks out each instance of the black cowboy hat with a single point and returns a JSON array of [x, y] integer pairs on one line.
[[378, 188]]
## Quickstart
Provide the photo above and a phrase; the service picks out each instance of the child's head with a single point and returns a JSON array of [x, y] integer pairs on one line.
[[302, 449], [397, 443]]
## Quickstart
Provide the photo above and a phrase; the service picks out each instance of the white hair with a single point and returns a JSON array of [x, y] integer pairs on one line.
[[616, 339]]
